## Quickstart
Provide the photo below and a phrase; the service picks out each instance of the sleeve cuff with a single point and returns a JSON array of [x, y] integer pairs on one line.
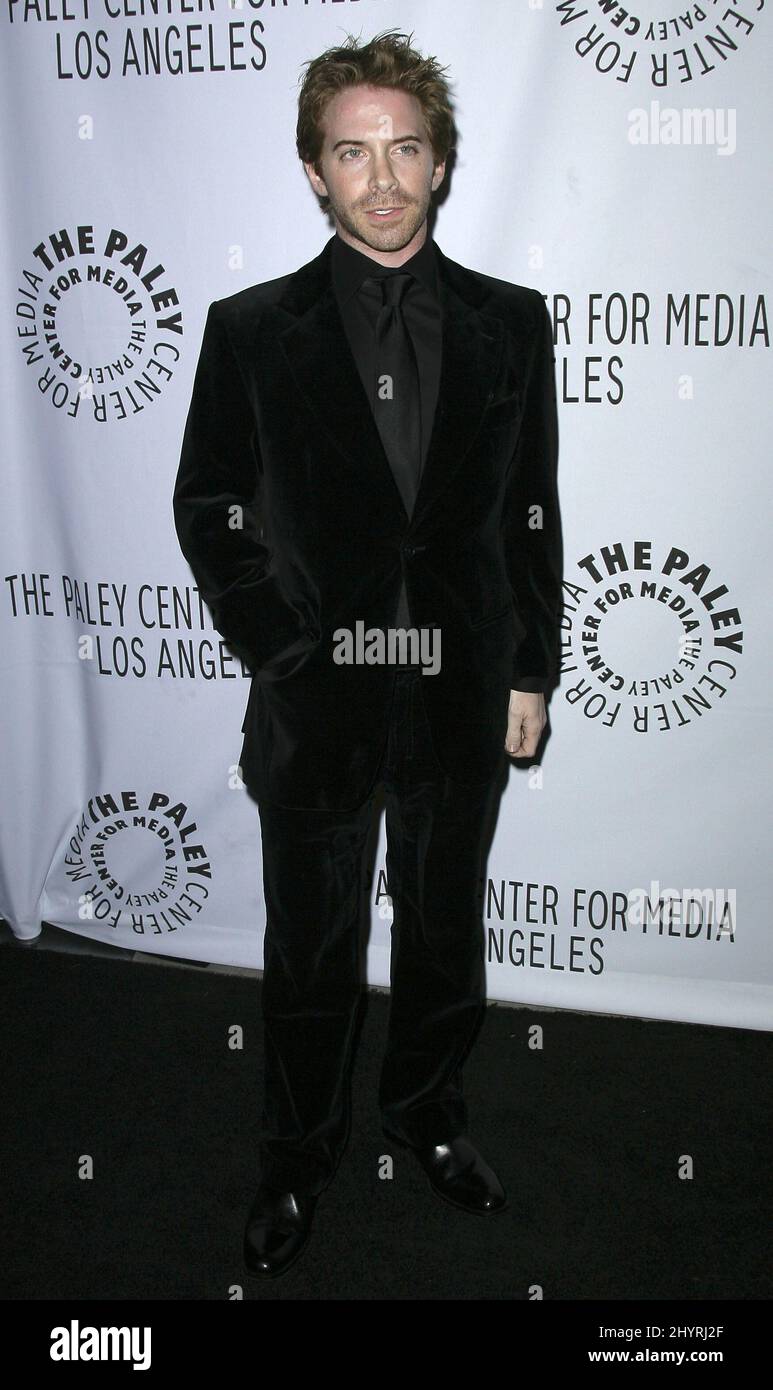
[[531, 685]]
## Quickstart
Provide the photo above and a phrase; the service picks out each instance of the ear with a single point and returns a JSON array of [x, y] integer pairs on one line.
[[438, 175], [317, 183]]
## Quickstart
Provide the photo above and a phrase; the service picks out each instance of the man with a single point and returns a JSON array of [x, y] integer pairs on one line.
[[371, 450]]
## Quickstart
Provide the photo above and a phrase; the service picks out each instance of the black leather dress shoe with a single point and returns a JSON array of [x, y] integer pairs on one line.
[[461, 1176], [278, 1227]]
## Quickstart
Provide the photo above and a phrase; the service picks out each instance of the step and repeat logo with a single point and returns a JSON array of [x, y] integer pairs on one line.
[[137, 864], [652, 637], [657, 46], [99, 323]]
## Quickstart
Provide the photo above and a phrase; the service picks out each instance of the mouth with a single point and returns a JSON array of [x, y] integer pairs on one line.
[[383, 214]]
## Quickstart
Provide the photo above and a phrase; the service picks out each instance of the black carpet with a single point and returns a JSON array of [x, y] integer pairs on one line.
[[128, 1064]]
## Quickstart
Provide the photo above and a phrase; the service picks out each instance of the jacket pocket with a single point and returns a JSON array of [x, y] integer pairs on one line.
[[505, 611], [509, 398], [502, 410]]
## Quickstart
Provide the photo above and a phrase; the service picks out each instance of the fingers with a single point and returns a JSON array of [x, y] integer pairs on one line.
[[526, 749], [522, 739]]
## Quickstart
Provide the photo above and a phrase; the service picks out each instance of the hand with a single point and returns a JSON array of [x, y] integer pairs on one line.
[[526, 718]]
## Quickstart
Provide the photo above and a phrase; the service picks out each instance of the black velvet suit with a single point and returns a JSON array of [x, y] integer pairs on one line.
[[279, 425]]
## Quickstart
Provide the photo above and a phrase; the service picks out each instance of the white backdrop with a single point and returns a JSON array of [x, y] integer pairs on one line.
[[619, 164]]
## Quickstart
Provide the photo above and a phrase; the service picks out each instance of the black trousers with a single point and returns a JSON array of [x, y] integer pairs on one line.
[[313, 885]]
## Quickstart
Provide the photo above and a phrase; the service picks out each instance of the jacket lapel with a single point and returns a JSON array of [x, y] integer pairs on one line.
[[317, 350]]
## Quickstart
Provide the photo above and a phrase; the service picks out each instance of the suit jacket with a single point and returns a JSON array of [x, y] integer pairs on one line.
[[290, 517]]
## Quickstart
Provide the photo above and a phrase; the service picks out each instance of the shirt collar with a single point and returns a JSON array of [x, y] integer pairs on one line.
[[350, 267]]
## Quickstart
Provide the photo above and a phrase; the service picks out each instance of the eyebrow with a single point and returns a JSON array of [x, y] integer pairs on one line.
[[394, 141]]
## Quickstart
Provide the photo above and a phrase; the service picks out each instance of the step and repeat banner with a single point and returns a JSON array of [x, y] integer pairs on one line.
[[615, 158]]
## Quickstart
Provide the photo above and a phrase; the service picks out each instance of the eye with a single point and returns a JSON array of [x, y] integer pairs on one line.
[[353, 149], [412, 149]]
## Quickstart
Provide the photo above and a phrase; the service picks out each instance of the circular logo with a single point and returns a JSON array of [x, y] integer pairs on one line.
[[673, 47], [138, 863], [651, 638], [98, 322]]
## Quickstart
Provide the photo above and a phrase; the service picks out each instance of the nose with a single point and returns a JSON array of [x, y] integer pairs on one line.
[[382, 175]]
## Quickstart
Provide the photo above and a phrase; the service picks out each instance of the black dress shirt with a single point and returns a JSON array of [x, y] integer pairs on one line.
[[359, 306]]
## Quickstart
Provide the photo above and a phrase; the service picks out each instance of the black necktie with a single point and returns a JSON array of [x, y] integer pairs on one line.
[[397, 394]]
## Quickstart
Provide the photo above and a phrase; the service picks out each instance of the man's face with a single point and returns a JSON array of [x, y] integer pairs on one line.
[[376, 155]]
